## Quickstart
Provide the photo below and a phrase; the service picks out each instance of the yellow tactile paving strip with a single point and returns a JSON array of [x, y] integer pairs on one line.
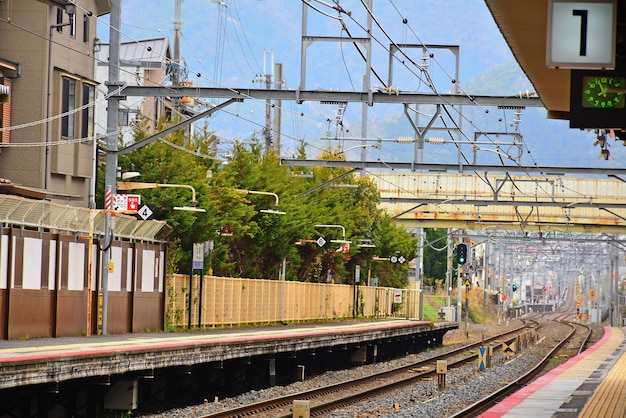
[[543, 397], [609, 399]]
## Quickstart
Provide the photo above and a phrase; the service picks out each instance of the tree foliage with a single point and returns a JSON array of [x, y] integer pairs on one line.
[[250, 239], [435, 256]]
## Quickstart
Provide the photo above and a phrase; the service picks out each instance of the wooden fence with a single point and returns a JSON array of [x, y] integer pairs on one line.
[[224, 301]]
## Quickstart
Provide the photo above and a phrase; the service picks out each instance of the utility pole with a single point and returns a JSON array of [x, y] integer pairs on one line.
[[267, 78], [176, 67], [113, 106], [459, 290], [278, 85], [449, 269], [366, 84]]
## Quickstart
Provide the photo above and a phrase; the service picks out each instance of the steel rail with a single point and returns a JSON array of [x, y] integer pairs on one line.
[[285, 402], [514, 386]]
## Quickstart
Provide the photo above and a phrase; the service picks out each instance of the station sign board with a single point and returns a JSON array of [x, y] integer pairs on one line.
[[126, 202]]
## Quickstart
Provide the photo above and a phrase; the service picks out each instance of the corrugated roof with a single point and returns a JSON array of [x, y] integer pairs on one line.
[[43, 214], [147, 53]]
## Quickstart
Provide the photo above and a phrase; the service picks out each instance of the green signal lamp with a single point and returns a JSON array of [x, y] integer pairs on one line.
[[461, 253]]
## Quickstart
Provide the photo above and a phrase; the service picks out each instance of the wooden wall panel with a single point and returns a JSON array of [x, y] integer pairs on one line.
[[4, 295], [30, 314], [148, 312], [72, 313], [54, 310], [119, 312]]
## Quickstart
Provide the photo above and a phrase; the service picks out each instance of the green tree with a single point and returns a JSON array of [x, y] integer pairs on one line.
[[175, 161], [435, 256], [248, 241]]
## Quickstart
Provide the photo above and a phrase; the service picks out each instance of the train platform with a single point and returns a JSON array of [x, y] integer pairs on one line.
[[591, 384], [40, 361]]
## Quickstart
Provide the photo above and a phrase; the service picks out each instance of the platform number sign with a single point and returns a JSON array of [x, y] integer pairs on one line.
[[145, 213], [581, 34]]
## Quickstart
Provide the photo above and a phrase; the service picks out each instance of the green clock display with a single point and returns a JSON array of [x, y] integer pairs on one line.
[[599, 92]]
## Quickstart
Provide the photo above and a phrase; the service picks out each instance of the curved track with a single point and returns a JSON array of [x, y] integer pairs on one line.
[[330, 398], [580, 332]]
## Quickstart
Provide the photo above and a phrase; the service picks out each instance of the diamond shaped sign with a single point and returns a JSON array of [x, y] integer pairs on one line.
[[145, 212], [321, 241]]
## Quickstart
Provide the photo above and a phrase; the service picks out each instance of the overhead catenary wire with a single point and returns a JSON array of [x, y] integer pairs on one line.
[[166, 59], [294, 113]]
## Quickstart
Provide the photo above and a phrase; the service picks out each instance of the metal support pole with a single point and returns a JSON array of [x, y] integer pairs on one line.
[[467, 312], [108, 239], [282, 290], [449, 270], [278, 85], [486, 284], [190, 310], [357, 280], [112, 138], [366, 83], [200, 298], [459, 294]]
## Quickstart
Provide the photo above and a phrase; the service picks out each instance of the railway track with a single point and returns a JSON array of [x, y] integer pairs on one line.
[[326, 399], [574, 343]]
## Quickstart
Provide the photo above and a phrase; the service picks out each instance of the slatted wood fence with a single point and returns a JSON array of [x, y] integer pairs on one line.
[[225, 301]]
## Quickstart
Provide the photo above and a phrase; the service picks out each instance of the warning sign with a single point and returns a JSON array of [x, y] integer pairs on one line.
[[482, 351], [127, 202], [508, 349]]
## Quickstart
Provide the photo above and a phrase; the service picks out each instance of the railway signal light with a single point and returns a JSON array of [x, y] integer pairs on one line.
[[514, 287], [461, 253]]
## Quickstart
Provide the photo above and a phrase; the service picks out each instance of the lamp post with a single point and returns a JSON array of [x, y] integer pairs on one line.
[[343, 233], [133, 185], [109, 227], [274, 211], [357, 270]]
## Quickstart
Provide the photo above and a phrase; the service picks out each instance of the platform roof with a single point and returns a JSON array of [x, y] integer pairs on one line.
[[524, 27]]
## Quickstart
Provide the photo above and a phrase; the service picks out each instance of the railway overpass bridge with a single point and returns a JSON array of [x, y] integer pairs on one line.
[[479, 197], [477, 201]]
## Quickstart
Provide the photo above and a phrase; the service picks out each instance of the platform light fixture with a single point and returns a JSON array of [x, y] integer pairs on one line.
[[133, 185], [343, 233], [274, 211]]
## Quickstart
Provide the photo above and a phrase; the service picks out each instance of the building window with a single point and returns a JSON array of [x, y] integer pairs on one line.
[[59, 20], [86, 29], [68, 104], [87, 117], [73, 26]]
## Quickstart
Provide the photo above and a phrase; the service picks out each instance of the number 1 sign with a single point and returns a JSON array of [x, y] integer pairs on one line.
[[581, 34]]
